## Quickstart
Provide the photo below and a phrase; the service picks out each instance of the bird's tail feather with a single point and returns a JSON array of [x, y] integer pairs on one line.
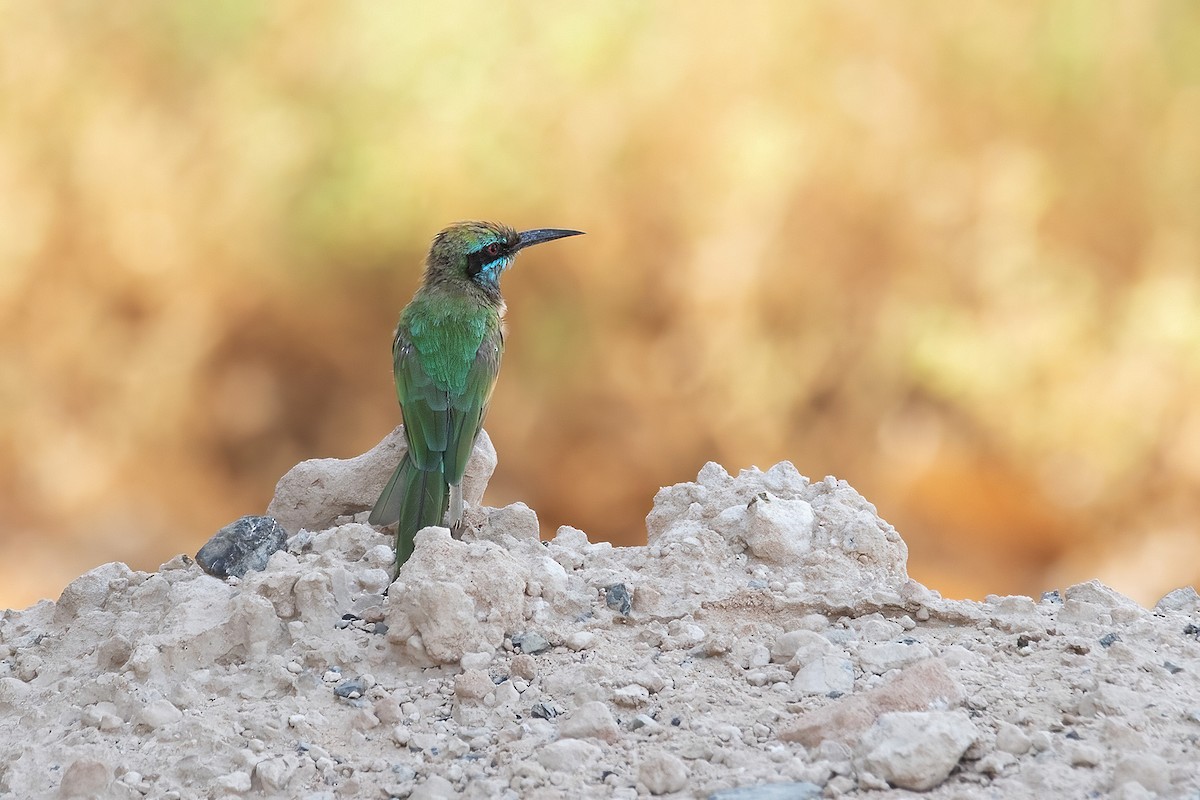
[[413, 499]]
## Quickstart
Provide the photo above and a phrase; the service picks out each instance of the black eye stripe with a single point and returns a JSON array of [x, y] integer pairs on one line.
[[482, 256]]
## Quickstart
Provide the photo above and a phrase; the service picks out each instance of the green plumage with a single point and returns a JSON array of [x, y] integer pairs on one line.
[[446, 356]]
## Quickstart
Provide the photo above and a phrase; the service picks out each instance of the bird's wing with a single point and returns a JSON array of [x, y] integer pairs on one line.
[[441, 425], [468, 409], [426, 405]]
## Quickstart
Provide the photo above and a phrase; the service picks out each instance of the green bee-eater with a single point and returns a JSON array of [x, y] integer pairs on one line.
[[446, 355]]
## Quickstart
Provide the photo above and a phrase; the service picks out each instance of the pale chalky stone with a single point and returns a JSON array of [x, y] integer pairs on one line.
[[590, 720], [915, 749], [663, 773]]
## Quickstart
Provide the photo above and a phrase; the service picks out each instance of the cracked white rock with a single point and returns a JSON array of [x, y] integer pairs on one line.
[[915, 749], [824, 675], [663, 773]]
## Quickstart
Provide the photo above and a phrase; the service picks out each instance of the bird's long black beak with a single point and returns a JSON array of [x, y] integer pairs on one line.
[[530, 238]]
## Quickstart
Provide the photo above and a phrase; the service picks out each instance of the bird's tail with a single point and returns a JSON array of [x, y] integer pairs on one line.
[[413, 499]]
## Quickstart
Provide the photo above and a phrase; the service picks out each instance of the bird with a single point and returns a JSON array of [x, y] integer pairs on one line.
[[446, 355]]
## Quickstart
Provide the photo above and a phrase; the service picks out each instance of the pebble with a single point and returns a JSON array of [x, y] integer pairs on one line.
[[158, 713], [663, 773], [590, 720], [1011, 739], [1184, 600], [85, 778], [435, 787], [473, 685], [916, 749], [1150, 770], [236, 782], [617, 598], [880, 658], [530, 642], [241, 546], [523, 666], [802, 790], [580, 640], [479, 660], [631, 696], [544, 711], [824, 675], [1084, 755], [568, 755], [652, 679], [645, 723]]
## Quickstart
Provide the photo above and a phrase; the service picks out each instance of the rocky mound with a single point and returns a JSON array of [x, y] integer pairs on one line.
[[766, 643]]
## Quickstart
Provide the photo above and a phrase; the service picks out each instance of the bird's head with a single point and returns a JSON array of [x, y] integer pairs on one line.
[[476, 253]]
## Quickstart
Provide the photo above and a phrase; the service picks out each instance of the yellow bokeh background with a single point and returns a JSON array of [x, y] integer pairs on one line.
[[948, 252]]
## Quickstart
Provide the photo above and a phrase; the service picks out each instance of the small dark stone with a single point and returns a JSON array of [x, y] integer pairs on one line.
[[380, 628], [350, 688], [1053, 596], [1073, 734], [801, 790], [676, 721], [1107, 639], [1023, 641], [531, 643], [241, 546], [350, 617], [1191, 630], [617, 598], [834, 695], [544, 711], [1172, 667]]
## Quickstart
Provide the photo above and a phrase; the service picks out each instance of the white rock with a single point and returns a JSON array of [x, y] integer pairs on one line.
[[916, 749], [1150, 770], [312, 494], [477, 660], [590, 720], [1184, 600], [274, 774], [631, 696], [1012, 739], [1084, 755], [663, 773], [568, 755], [779, 531], [435, 787], [473, 685], [85, 778], [158, 713], [458, 597], [88, 593], [879, 658], [580, 640], [824, 675], [236, 782], [799, 647], [516, 520]]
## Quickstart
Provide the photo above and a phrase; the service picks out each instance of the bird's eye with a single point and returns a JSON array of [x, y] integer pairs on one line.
[[492, 249]]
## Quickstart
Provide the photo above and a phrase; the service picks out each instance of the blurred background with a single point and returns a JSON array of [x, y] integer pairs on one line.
[[950, 256]]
